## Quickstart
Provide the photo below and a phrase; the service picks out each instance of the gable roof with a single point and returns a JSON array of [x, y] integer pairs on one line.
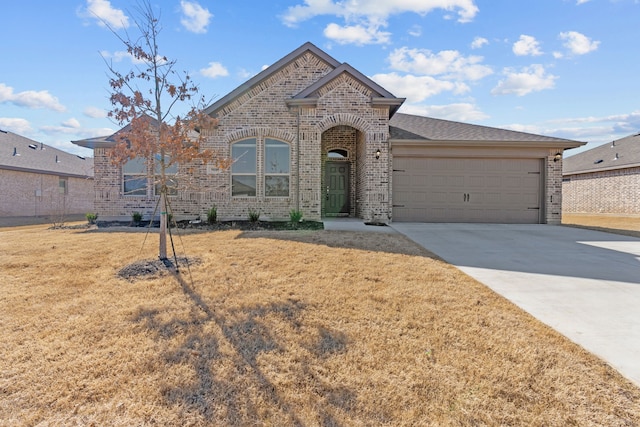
[[110, 140], [383, 97], [619, 154], [418, 129], [26, 155]]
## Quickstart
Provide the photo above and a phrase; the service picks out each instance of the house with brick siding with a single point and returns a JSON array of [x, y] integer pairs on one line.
[[313, 134], [37, 180], [604, 179]]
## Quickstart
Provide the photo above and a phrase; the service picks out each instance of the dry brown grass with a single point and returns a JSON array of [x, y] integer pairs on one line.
[[618, 224], [279, 328]]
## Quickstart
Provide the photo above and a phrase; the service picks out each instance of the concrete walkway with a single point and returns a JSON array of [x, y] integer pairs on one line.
[[584, 284]]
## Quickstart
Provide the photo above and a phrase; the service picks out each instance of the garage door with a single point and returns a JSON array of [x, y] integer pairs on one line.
[[467, 190]]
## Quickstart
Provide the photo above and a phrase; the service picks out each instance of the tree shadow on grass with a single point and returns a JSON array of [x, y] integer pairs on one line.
[[216, 396]]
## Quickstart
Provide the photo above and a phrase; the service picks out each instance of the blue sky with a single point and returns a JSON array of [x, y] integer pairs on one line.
[[566, 68]]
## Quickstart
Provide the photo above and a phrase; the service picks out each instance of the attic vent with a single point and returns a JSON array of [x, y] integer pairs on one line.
[[598, 162], [616, 157], [33, 146], [613, 144], [3, 131], [15, 151], [80, 157], [57, 161]]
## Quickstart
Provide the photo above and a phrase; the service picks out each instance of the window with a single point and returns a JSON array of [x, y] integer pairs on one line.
[[63, 185], [243, 170], [170, 173], [134, 177], [338, 154], [276, 168]]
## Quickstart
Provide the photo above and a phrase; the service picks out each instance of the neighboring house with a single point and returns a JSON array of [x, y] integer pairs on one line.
[[314, 134], [39, 180], [605, 179]]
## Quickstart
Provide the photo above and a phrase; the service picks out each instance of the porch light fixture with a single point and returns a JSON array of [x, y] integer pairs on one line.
[[557, 157], [378, 154]]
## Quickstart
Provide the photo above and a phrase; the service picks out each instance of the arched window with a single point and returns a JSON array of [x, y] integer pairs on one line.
[[276, 168], [243, 169], [338, 154]]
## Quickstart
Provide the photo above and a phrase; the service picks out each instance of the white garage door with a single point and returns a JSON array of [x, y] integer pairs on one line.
[[467, 190]]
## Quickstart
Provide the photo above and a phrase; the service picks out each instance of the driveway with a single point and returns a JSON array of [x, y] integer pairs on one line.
[[585, 284]]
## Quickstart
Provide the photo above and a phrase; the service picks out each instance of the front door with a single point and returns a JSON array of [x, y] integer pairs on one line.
[[337, 189]]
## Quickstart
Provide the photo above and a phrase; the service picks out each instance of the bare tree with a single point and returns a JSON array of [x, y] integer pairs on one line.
[[144, 98]]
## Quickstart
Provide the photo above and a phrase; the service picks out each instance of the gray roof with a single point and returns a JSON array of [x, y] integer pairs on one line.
[[407, 127], [619, 154], [23, 154]]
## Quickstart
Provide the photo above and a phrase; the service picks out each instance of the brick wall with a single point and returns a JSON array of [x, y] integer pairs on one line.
[[553, 189], [32, 194], [342, 118], [610, 192]]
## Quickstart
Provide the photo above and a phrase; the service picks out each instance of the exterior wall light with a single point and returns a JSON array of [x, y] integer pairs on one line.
[[557, 157], [378, 154]]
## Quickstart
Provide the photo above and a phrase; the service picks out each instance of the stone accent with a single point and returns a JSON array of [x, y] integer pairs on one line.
[[606, 192]]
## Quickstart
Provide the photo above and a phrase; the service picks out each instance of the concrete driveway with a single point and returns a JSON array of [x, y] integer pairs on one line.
[[584, 284]]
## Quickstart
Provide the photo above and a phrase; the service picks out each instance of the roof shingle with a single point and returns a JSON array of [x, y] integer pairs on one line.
[[622, 153], [24, 154], [407, 127]]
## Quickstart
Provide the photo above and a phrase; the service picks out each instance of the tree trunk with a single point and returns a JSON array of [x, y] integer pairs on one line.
[[163, 225]]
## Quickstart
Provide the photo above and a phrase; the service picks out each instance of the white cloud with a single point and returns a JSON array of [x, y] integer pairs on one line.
[[356, 34], [364, 18], [577, 43], [15, 125], [447, 63], [415, 31], [478, 42], [72, 123], [95, 113], [121, 55], [105, 14], [215, 69], [527, 46], [461, 112], [417, 88], [579, 2], [530, 79], [30, 99], [196, 18]]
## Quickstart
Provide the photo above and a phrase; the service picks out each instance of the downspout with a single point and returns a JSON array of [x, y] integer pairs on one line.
[[298, 160], [389, 178]]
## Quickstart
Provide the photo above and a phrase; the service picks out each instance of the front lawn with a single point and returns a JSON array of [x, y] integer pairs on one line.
[[278, 328]]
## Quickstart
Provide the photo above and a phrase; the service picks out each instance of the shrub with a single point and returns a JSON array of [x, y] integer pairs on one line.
[[91, 217], [295, 216], [254, 215], [136, 217], [212, 215]]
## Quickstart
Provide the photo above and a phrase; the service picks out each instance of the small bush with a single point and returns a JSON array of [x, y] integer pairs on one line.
[[91, 217], [295, 216], [212, 215], [254, 215], [136, 217]]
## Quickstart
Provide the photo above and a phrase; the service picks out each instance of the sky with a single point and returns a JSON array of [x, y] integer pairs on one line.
[[564, 68]]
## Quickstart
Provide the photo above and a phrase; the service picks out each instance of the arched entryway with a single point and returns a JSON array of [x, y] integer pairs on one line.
[[342, 168]]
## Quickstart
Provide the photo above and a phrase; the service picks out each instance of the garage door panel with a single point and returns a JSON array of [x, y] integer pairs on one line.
[[467, 190]]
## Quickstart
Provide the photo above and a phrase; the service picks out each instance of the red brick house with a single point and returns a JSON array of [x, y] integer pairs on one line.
[[314, 134]]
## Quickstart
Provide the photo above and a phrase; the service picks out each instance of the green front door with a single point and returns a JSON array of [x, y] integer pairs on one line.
[[337, 189]]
